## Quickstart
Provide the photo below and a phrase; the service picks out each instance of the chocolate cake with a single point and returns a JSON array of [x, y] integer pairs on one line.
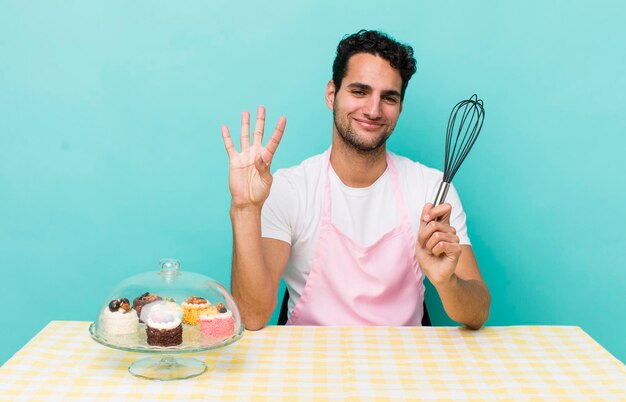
[[165, 337]]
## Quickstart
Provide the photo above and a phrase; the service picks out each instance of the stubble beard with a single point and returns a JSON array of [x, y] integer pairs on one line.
[[352, 140]]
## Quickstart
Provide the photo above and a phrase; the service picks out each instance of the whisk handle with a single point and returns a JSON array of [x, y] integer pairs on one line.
[[441, 193]]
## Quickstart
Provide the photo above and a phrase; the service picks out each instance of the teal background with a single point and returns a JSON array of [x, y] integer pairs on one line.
[[111, 155]]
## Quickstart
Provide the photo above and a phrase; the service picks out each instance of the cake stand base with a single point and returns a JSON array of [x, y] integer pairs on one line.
[[166, 368]]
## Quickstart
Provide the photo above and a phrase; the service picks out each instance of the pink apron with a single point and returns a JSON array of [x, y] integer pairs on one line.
[[350, 284]]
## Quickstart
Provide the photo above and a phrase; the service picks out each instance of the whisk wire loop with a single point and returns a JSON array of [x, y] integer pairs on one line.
[[461, 134]]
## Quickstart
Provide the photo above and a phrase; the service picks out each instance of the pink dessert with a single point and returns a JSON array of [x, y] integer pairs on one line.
[[219, 325]]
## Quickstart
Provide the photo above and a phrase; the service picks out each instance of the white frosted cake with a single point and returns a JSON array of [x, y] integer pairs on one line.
[[118, 318]]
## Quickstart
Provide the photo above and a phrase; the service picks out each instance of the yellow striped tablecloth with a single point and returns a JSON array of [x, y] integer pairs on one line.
[[62, 363]]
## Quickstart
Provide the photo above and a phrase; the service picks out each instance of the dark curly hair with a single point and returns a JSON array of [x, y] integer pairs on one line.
[[379, 44]]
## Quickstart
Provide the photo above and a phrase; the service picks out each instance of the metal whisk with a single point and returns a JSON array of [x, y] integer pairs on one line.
[[461, 135]]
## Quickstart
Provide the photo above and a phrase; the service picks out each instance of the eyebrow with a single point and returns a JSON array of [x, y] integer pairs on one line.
[[365, 87]]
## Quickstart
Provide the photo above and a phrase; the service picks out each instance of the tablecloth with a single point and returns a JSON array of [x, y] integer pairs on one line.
[[62, 363]]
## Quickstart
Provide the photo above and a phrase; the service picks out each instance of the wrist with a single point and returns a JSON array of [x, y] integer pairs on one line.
[[447, 284], [245, 210]]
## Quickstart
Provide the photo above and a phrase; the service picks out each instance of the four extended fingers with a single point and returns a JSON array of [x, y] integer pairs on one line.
[[268, 152]]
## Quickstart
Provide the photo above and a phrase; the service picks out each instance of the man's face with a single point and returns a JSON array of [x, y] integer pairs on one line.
[[367, 106]]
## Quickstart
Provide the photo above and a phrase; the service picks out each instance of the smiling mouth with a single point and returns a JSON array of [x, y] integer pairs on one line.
[[369, 124]]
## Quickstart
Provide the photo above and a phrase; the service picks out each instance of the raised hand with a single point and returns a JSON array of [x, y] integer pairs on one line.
[[438, 249], [249, 175]]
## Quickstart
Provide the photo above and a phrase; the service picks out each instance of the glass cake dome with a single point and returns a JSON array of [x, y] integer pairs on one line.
[[166, 312]]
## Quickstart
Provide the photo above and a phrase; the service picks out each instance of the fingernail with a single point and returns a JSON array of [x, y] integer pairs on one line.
[[427, 218]]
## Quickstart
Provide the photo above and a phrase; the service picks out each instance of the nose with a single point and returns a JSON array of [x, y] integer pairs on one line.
[[372, 108]]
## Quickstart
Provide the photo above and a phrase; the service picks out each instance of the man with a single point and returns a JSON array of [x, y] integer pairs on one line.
[[351, 231]]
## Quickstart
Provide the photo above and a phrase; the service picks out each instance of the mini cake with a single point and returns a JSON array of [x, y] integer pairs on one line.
[[118, 318], [142, 300], [218, 325], [164, 323], [193, 307]]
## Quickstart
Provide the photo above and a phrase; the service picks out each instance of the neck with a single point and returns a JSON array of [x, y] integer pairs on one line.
[[357, 168]]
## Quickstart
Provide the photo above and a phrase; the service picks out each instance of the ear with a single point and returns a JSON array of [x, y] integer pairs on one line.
[[330, 94]]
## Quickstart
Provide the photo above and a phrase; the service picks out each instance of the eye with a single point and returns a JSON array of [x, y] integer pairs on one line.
[[358, 92], [390, 99]]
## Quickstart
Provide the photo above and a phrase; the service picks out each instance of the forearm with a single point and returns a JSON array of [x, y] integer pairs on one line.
[[252, 284], [465, 301]]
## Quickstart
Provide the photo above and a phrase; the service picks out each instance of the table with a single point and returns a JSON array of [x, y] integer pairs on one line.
[[323, 363]]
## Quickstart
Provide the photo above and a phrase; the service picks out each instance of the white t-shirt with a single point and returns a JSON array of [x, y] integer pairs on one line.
[[293, 210]]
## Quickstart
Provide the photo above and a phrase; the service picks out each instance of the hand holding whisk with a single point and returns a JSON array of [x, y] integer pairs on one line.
[[464, 124]]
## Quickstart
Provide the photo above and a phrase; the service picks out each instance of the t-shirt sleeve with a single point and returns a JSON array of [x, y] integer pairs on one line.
[[279, 210], [457, 217], [431, 179]]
